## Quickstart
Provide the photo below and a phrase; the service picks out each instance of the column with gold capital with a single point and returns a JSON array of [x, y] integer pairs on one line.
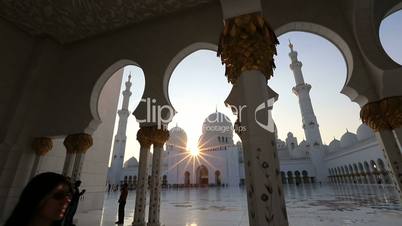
[[246, 47], [83, 143], [385, 118], [70, 156], [158, 140], [41, 146], [144, 137], [76, 146]]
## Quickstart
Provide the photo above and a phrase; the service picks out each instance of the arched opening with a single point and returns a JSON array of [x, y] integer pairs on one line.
[[347, 174], [218, 178], [356, 173], [368, 173], [305, 177], [342, 174], [134, 182], [197, 88], [362, 173], [331, 175], [334, 66], [336, 175], [298, 177], [164, 181], [137, 80], [202, 176], [290, 177], [391, 35], [187, 179], [106, 100]]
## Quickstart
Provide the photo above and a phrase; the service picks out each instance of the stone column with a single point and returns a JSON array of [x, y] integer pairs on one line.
[[70, 156], [385, 117], [398, 135], [41, 146], [144, 135], [76, 145], [84, 142], [246, 47], [158, 140]]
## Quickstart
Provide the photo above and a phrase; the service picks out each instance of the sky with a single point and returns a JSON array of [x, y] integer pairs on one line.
[[198, 87]]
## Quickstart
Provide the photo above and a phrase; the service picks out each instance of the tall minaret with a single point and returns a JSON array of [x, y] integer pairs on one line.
[[120, 138], [302, 90]]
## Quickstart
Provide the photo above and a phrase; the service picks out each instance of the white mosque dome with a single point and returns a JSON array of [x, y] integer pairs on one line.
[[348, 139], [334, 145], [177, 136], [217, 122], [132, 162], [364, 132]]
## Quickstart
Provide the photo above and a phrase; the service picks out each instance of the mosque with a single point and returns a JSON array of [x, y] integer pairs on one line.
[[62, 62], [355, 158]]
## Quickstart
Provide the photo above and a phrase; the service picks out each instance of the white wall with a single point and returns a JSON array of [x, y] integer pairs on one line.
[[94, 170]]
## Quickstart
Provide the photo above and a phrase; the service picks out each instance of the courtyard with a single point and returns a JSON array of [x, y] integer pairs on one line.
[[308, 204]]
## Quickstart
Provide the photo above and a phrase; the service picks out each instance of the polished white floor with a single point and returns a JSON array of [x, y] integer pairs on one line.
[[312, 205]]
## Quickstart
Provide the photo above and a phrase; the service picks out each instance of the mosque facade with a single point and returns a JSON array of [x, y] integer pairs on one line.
[[355, 158]]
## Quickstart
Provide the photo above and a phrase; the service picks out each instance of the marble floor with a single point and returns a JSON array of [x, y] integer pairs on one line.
[[312, 205]]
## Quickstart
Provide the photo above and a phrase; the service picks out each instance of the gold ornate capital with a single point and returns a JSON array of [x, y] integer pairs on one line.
[[78, 143], [160, 137], [42, 145], [247, 43], [383, 114], [152, 135], [144, 136]]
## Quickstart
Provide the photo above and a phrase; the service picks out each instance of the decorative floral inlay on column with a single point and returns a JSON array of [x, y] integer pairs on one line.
[[247, 43]]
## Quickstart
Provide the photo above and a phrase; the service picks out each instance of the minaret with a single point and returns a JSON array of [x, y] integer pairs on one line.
[[302, 90], [120, 138]]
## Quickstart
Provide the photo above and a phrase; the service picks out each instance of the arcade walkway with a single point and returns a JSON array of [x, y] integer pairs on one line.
[[313, 205]]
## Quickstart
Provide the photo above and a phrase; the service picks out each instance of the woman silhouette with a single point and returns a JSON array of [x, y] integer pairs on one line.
[[43, 201]]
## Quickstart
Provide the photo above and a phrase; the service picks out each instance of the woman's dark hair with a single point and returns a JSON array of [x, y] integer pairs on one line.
[[33, 194]]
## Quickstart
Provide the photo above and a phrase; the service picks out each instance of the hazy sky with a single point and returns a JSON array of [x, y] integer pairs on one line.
[[198, 86]]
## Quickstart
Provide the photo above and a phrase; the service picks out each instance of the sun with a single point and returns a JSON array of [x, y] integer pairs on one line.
[[194, 152]]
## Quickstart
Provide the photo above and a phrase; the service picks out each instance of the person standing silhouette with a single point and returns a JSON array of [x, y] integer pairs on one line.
[[122, 203]]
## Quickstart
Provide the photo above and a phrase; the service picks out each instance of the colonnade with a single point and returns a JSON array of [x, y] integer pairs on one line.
[[367, 172], [148, 136]]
